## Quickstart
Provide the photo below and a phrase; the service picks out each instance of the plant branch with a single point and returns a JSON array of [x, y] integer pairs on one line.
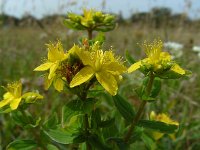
[[89, 34], [140, 110]]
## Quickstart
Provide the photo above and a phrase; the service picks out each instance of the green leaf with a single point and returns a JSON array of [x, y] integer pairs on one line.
[[75, 107], [125, 109], [129, 58], [95, 118], [80, 138], [25, 119], [173, 75], [109, 19], [51, 147], [21, 119], [141, 90], [95, 141], [148, 142], [100, 37], [52, 122], [88, 105], [158, 126], [60, 135], [138, 131], [33, 125], [65, 134], [5, 109], [105, 28], [83, 146], [110, 131], [73, 25], [119, 142], [156, 87], [106, 123], [148, 98], [22, 145], [69, 110]]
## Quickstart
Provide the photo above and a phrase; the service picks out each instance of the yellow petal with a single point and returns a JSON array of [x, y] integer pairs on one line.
[[172, 136], [8, 95], [52, 70], [85, 57], [4, 102], [58, 84], [47, 82], [165, 118], [134, 66], [15, 103], [44, 66], [162, 118], [73, 50], [18, 89], [152, 115], [55, 52], [176, 68], [82, 76], [108, 81], [157, 135], [14, 89], [115, 68], [165, 56]]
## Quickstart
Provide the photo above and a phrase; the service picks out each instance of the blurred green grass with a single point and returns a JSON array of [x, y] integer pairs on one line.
[[22, 49]]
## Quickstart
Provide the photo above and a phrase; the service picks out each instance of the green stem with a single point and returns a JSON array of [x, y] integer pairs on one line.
[[84, 96], [89, 34], [140, 110], [86, 123]]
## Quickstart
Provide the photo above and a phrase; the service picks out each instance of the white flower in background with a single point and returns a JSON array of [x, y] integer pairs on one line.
[[175, 49], [196, 49]]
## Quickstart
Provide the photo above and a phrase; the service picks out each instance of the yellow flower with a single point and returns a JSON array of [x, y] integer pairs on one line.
[[156, 61], [13, 96], [56, 57], [162, 118], [103, 65]]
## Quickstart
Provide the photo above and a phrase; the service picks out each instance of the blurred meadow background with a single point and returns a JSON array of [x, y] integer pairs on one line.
[[26, 26]]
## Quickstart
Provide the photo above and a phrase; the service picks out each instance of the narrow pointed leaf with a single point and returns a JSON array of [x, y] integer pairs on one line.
[[158, 126], [22, 145], [125, 108], [148, 141], [130, 59]]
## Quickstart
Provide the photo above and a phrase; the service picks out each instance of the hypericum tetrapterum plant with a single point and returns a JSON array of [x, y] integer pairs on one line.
[[85, 71]]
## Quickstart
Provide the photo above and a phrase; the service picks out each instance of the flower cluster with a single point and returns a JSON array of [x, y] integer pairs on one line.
[[13, 97], [157, 61], [81, 64], [103, 65], [58, 65], [90, 20], [162, 118]]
